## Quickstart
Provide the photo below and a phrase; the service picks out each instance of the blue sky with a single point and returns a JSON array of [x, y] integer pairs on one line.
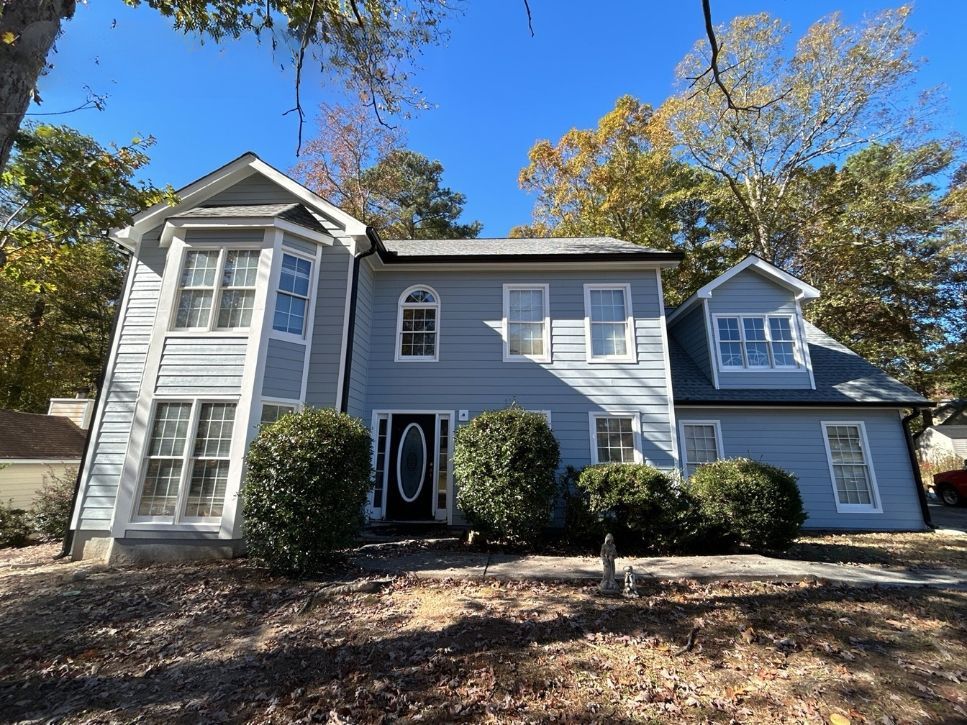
[[496, 89]]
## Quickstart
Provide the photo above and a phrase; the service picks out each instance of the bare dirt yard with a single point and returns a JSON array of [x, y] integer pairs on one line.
[[225, 641]]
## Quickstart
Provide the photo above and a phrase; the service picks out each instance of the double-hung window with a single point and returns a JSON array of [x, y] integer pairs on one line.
[[417, 326], [216, 290], [755, 342], [186, 463], [610, 325], [701, 443], [854, 482], [271, 412], [292, 296], [615, 438], [527, 328]]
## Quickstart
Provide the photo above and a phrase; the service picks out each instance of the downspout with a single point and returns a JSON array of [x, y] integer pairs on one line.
[[351, 327], [917, 478], [91, 432]]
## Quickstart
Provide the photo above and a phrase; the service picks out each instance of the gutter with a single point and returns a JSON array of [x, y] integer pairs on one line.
[[375, 244], [91, 432], [917, 478]]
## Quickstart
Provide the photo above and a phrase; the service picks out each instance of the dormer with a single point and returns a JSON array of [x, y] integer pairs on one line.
[[745, 328]]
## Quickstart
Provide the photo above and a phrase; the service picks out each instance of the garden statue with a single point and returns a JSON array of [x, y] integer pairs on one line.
[[609, 553], [631, 582]]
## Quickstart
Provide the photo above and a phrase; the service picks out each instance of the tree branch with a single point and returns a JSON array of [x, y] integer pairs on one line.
[[530, 19]]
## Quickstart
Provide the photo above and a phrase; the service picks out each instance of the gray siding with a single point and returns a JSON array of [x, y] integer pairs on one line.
[[471, 373], [224, 236], [751, 293], [254, 189], [793, 440], [692, 334], [300, 245], [361, 344], [110, 440], [327, 329], [284, 362], [205, 366]]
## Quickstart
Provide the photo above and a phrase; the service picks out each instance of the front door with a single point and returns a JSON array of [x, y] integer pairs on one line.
[[409, 491]]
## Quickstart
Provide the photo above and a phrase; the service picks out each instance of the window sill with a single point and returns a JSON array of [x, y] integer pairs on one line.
[[417, 359], [212, 526], [287, 337], [857, 509], [789, 369], [605, 360], [527, 358], [240, 332]]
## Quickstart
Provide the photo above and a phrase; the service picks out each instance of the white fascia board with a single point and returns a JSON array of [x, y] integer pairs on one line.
[[221, 179], [348, 222], [191, 195], [803, 291], [172, 225]]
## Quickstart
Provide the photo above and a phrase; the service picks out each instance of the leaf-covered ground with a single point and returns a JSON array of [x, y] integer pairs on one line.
[[226, 642], [912, 550]]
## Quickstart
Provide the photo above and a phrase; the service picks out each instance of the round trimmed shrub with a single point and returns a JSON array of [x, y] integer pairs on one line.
[[305, 488], [505, 461], [756, 503], [639, 504]]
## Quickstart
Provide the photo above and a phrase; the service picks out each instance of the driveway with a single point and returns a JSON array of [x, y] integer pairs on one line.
[[949, 517]]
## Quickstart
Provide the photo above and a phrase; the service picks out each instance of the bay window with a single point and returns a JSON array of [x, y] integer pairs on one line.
[[216, 290]]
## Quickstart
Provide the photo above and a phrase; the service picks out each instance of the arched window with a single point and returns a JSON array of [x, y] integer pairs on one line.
[[418, 325]]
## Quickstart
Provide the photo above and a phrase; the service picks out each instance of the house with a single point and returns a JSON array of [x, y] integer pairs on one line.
[[34, 447], [252, 296], [942, 445]]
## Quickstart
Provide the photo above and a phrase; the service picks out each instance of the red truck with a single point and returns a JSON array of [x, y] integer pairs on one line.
[[951, 486]]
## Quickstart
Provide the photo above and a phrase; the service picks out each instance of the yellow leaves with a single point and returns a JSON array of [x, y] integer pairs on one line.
[[837, 719], [8, 37]]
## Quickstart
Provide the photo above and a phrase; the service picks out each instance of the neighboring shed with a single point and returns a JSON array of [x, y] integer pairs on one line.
[[944, 445], [34, 446]]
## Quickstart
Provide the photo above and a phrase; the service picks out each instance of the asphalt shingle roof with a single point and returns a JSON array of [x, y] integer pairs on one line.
[[32, 435], [842, 377], [293, 212], [505, 246]]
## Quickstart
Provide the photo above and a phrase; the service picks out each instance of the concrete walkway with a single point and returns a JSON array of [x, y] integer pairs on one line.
[[432, 564]]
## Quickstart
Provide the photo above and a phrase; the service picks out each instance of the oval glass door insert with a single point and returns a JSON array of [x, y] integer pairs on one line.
[[411, 462]]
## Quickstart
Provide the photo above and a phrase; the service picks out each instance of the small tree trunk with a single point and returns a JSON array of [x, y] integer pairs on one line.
[[34, 25], [17, 394]]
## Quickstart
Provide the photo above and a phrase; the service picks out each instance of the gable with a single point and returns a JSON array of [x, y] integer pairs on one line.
[[751, 292], [254, 189]]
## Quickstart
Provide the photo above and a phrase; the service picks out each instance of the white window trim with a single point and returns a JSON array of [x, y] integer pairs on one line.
[[772, 367], [178, 521], [630, 336], [545, 413], [635, 427], [853, 508], [296, 405], [211, 329], [273, 298], [505, 334], [438, 306], [719, 448]]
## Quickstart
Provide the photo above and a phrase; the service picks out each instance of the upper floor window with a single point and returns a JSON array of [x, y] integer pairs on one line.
[[418, 325], [217, 289], [755, 341], [527, 334], [701, 443], [610, 325], [292, 296]]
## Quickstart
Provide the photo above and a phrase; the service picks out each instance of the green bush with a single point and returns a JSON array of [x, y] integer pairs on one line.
[[757, 504], [504, 461], [14, 526], [51, 510], [639, 504], [581, 526], [306, 485]]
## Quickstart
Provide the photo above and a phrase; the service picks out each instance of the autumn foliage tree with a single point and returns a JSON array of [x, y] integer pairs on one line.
[[370, 45], [361, 166], [60, 276]]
